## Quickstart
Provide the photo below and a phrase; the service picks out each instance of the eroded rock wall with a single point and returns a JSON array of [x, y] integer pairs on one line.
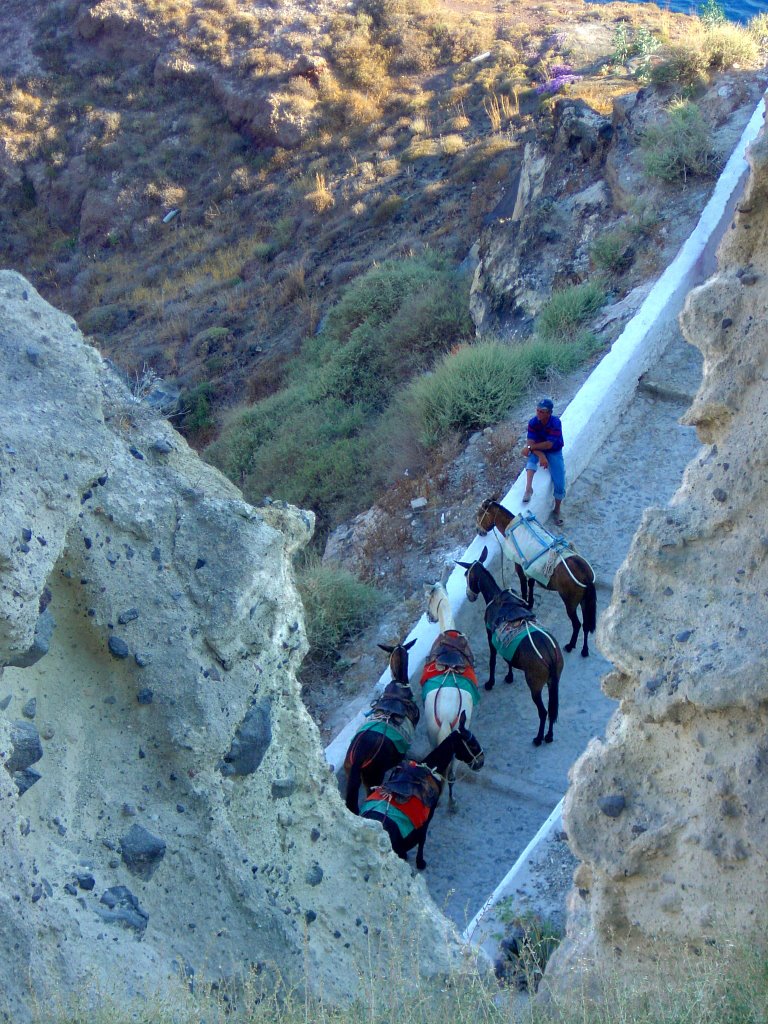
[[668, 814], [166, 812]]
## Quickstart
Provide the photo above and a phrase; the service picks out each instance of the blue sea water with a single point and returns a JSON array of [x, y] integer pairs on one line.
[[734, 10]]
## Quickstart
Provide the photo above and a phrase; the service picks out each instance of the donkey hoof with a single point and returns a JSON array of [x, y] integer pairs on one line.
[[548, 739], [537, 741], [421, 864], [569, 647], [585, 654], [489, 685], [452, 807]]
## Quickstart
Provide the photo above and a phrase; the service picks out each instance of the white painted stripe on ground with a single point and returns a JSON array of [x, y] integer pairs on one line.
[[508, 882]]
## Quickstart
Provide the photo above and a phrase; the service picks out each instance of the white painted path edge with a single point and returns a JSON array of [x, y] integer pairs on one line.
[[587, 424]]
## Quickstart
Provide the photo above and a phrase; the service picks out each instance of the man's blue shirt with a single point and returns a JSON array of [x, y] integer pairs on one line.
[[553, 432]]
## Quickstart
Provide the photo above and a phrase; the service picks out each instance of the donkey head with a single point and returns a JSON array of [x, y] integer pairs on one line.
[[485, 517], [468, 749], [398, 659], [473, 571]]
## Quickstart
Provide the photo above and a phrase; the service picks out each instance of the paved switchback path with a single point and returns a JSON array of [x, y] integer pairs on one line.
[[501, 807]]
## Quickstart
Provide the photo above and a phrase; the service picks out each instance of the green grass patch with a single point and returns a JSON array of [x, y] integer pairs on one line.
[[337, 605], [568, 310], [315, 442], [477, 385], [681, 147]]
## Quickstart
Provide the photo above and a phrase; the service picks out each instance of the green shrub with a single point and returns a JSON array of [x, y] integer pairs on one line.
[[680, 147], [468, 390], [197, 408], [337, 606], [387, 209], [568, 310], [727, 45], [314, 443], [682, 64], [476, 385], [711, 13]]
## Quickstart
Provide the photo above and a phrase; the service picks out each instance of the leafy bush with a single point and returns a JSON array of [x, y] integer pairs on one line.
[[611, 252], [712, 13], [680, 147], [567, 311], [477, 385], [314, 443], [727, 45], [336, 604], [197, 408]]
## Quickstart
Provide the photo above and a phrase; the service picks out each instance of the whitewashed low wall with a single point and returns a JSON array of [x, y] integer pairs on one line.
[[587, 424]]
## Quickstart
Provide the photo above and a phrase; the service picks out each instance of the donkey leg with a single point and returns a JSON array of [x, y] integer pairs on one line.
[[420, 862], [585, 645], [509, 677], [450, 779], [576, 626], [491, 663], [542, 718]]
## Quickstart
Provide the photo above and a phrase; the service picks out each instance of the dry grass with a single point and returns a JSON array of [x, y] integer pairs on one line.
[[600, 93], [320, 198]]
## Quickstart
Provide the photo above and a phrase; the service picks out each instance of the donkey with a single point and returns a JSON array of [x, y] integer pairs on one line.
[[405, 802], [448, 681], [381, 742], [572, 577], [512, 631]]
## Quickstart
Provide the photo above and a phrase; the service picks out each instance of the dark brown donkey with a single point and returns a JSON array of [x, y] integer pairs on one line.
[[512, 631], [573, 578], [383, 740]]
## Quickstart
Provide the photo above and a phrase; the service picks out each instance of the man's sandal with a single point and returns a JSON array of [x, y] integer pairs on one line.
[[527, 496]]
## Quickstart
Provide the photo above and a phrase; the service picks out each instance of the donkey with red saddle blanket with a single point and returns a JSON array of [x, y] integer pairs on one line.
[[405, 801], [382, 741], [448, 681]]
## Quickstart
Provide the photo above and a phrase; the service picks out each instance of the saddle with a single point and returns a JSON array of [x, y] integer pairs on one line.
[[451, 650], [411, 779], [507, 607], [396, 704]]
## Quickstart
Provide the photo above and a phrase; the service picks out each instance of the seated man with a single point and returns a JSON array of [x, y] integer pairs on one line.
[[545, 449]]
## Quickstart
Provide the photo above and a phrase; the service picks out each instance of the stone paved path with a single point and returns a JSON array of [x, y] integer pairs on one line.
[[502, 807]]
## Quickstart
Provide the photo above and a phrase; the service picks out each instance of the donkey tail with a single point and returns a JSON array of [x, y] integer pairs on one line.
[[554, 690], [589, 609]]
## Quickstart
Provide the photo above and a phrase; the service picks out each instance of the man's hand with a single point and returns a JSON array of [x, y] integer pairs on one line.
[[526, 450], [543, 461]]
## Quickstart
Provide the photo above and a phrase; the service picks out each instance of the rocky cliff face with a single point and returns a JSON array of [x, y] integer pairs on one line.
[[583, 181], [668, 814], [165, 809]]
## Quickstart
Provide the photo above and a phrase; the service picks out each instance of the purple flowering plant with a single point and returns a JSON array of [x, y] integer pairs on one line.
[[558, 76]]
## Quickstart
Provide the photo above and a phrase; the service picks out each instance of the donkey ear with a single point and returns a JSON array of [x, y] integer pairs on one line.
[[464, 565], [447, 570], [483, 554], [410, 643], [386, 648]]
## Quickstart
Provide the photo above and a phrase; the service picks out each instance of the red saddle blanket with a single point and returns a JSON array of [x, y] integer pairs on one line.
[[410, 779]]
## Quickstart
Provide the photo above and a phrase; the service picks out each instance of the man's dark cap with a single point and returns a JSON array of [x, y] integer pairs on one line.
[[545, 403]]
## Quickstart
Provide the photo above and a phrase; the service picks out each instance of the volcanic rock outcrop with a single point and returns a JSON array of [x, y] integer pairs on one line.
[[166, 812], [668, 814], [584, 181]]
